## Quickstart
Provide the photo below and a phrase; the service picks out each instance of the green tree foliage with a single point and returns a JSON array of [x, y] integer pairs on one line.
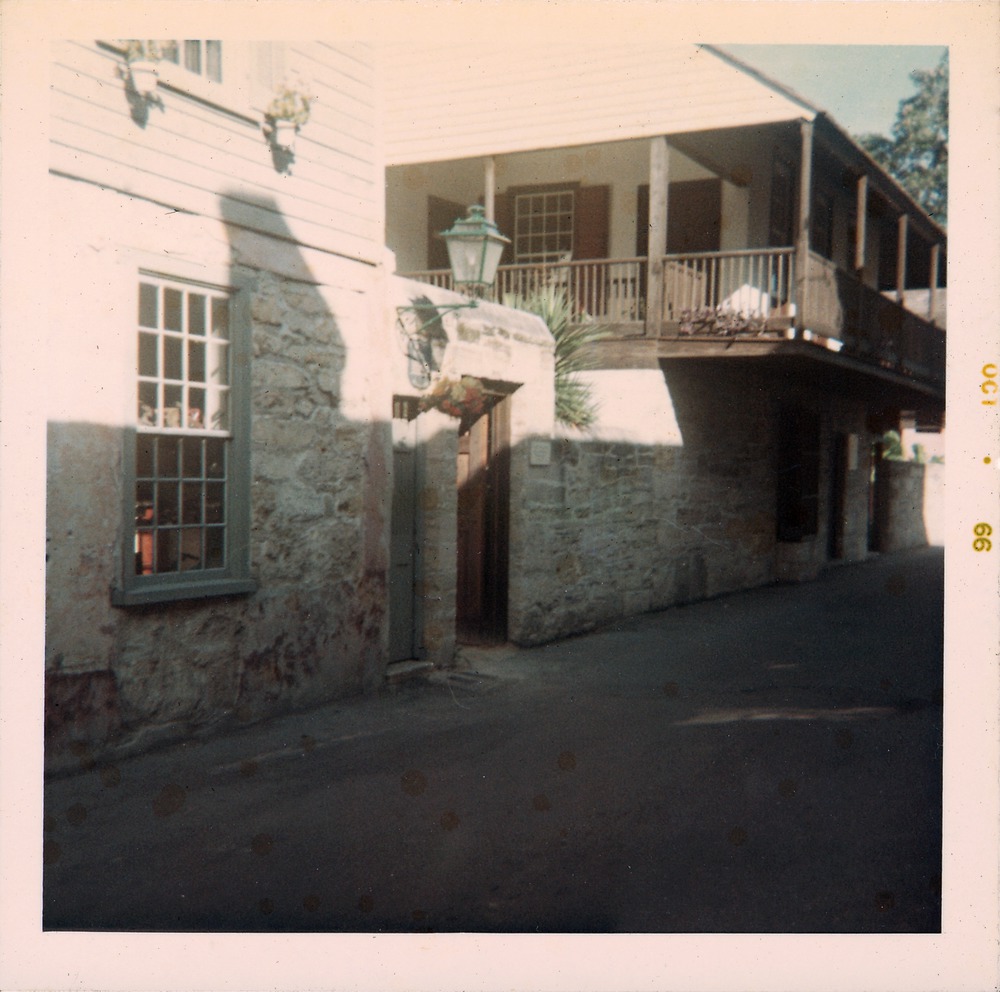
[[892, 450], [916, 154], [575, 405]]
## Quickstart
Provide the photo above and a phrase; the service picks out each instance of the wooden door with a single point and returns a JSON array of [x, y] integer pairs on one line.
[[483, 512], [837, 507], [403, 639], [878, 499], [694, 217]]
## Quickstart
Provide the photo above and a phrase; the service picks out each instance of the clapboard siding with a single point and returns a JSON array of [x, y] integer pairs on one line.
[[331, 126], [195, 156], [520, 99], [234, 205], [232, 150], [211, 169]]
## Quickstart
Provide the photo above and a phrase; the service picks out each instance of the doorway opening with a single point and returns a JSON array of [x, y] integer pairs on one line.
[[483, 480], [837, 513], [404, 616]]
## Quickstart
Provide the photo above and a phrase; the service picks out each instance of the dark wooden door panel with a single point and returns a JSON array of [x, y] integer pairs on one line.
[[483, 511], [441, 214], [694, 217]]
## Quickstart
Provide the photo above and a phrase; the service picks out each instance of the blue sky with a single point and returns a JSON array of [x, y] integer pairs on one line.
[[859, 85]]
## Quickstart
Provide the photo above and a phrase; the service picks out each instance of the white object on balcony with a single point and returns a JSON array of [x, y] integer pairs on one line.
[[749, 300]]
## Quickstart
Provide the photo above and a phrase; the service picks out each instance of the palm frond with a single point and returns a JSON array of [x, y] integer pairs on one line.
[[575, 406]]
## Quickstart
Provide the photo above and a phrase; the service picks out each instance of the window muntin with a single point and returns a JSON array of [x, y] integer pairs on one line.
[[543, 226], [180, 504], [204, 58], [184, 355], [183, 440]]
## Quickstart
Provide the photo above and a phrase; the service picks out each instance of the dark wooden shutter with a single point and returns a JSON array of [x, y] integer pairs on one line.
[[503, 217], [781, 232], [591, 221], [694, 217], [642, 220], [441, 214]]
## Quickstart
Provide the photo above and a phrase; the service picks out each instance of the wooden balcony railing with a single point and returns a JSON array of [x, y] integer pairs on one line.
[[737, 292], [757, 285], [609, 290], [871, 325]]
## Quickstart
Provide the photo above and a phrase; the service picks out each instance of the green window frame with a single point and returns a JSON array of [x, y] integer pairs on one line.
[[186, 492]]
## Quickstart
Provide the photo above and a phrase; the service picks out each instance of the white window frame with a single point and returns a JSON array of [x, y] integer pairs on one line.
[[156, 432], [232, 93], [533, 227]]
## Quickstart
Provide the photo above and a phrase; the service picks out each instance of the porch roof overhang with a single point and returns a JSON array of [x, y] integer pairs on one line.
[[838, 143], [807, 364], [781, 361], [507, 101]]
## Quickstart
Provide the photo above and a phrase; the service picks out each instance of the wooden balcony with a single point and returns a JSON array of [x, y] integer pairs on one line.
[[750, 297]]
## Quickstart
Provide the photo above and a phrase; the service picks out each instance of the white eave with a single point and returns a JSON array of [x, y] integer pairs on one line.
[[544, 95]]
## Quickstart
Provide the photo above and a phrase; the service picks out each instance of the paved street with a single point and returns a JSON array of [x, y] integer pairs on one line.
[[769, 761]]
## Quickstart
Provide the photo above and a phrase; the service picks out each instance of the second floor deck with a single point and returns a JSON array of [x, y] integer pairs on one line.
[[699, 300]]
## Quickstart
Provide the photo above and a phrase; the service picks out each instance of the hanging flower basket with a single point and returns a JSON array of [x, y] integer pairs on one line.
[[284, 134], [140, 69], [143, 75], [465, 398], [285, 115]]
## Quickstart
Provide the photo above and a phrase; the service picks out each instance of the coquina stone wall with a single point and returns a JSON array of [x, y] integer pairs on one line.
[[123, 678], [677, 503], [914, 515], [325, 363]]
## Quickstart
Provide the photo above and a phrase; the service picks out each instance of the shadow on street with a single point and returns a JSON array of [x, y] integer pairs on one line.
[[765, 762]]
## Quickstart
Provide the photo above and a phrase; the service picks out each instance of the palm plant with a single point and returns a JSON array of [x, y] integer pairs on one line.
[[575, 406]]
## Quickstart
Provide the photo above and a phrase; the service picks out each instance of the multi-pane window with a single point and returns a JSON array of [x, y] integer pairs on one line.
[[183, 435], [543, 226], [201, 57]]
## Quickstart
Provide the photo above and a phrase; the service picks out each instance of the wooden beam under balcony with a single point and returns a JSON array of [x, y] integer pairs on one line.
[[659, 181], [903, 226], [861, 226], [807, 363], [804, 219], [934, 276]]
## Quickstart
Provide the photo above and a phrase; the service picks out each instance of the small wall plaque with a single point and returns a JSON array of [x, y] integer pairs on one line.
[[540, 453]]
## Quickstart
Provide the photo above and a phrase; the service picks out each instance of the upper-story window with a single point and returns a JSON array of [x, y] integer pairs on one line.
[[201, 57], [220, 73], [543, 226]]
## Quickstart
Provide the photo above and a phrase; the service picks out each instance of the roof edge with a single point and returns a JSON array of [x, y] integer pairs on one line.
[[781, 88], [837, 129]]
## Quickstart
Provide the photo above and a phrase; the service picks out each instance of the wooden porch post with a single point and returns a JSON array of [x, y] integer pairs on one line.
[[860, 227], [802, 229], [935, 266], [901, 260], [490, 187], [659, 181]]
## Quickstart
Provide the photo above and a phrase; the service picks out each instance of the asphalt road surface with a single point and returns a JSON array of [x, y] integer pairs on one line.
[[765, 762]]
